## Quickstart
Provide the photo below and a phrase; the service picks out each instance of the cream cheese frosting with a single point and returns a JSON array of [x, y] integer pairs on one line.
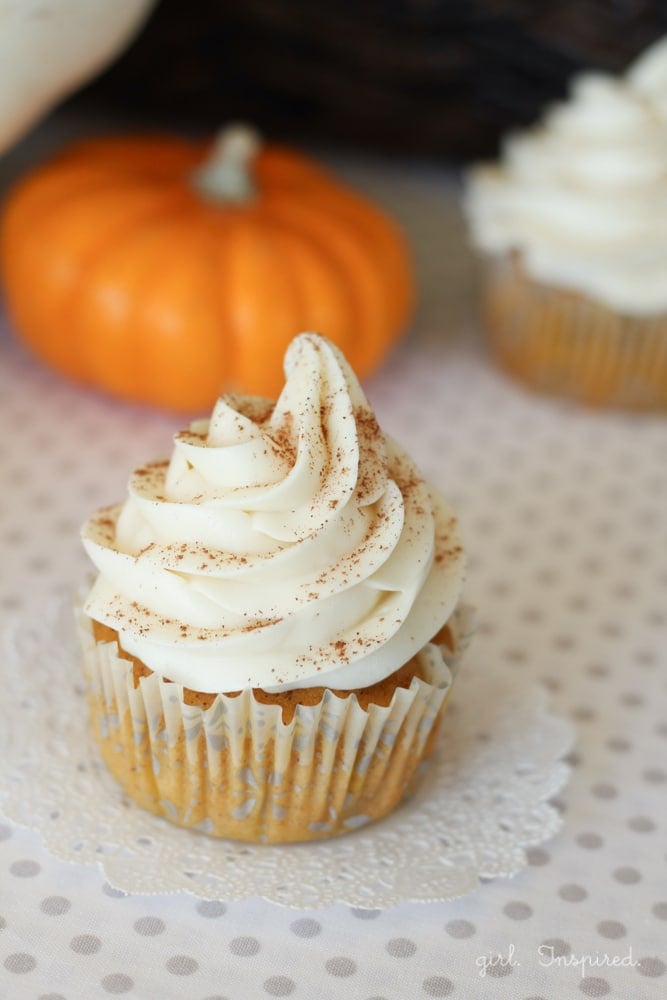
[[282, 546], [583, 195]]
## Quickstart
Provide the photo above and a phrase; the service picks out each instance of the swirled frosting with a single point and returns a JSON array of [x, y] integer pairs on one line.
[[583, 195], [282, 546]]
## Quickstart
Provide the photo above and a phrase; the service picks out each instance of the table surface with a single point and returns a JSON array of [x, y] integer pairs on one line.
[[565, 518]]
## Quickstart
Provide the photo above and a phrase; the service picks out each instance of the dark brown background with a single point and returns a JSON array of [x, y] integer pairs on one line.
[[435, 78]]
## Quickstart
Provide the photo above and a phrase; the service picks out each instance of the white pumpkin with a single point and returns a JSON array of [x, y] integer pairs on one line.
[[48, 48]]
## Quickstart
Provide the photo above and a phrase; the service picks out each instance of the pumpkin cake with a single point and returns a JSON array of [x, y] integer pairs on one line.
[[266, 643]]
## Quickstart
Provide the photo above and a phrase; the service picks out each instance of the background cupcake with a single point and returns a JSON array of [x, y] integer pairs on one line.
[[573, 223], [268, 637]]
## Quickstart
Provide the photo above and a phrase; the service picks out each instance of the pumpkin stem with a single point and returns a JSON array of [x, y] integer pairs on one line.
[[225, 175]]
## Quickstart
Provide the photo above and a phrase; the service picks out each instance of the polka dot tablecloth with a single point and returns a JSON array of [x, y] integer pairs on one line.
[[565, 516]]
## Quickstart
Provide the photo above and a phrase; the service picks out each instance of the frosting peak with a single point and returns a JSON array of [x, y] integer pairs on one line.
[[285, 545], [583, 195]]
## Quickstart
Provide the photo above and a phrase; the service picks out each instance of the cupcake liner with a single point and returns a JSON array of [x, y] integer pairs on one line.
[[236, 770], [559, 342]]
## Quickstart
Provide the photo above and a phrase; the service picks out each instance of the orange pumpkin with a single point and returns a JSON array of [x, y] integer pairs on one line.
[[167, 274]]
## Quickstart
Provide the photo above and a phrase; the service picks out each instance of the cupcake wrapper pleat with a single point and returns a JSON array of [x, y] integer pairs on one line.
[[236, 770], [560, 342]]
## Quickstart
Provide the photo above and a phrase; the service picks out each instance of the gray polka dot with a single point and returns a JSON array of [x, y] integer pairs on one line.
[[246, 947], [652, 967], [531, 615], [15, 537], [641, 824], [12, 603], [460, 928], [5, 831], [55, 906], [603, 790], [306, 927], [117, 982], [25, 869], [216, 996], [611, 929], [64, 525], [660, 910], [572, 893], [149, 926], [438, 986], [20, 962], [627, 875], [51, 996], [401, 947], [591, 841], [279, 986], [636, 554], [515, 655], [362, 914], [500, 968], [593, 986], [340, 966], [554, 948], [210, 908], [516, 910], [181, 965], [110, 890], [85, 944], [655, 775], [619, 744], [631, 699], [39, 564], [537, 856]]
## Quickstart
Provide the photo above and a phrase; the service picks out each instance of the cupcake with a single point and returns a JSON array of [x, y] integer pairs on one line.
[[572, 223], [270, 636]]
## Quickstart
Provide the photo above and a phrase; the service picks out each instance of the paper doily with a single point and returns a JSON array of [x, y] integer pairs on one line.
[[481, 801]]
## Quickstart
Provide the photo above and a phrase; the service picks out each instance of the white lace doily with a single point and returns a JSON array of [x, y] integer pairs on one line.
[[482, 800]]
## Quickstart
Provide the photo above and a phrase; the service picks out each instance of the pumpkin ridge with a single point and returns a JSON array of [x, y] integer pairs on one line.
[[260, 329], [45, 323], [386, 244], [80, 344], [363, 274], [332, 283], [121, 247]]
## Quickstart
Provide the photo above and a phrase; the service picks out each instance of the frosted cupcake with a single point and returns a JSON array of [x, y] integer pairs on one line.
[[269, 638], [573, 223]]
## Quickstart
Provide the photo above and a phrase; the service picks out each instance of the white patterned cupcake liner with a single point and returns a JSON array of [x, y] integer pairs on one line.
[[236, 770]]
